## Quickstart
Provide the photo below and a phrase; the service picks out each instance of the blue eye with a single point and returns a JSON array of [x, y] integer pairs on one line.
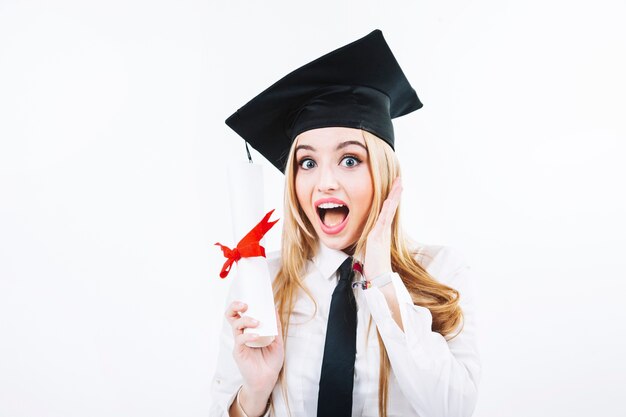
[[350, 161], [307, 163]]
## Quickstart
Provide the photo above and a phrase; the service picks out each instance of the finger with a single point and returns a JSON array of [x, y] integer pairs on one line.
[[234, 309], [244, 338], [390, 205], [242, 323], [384, 218], [396, 190]]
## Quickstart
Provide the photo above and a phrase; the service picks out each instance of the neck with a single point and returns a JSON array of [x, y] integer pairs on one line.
[[350, 249]]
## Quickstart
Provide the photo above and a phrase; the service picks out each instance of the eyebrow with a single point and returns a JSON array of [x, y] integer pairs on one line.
[[350, 142], [340, 146]]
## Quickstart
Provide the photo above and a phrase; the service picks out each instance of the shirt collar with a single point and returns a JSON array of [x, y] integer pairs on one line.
[[328, 260]]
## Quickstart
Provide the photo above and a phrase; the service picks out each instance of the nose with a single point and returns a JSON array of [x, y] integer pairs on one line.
[[327, 180]]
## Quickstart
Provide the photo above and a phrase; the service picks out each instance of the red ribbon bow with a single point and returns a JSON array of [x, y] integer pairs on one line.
[[247, 247]]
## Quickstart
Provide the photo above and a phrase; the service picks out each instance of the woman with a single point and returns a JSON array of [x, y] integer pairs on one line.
[[401, 341]]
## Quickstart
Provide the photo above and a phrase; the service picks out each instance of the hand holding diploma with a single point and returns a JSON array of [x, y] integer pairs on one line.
[[259, 367]]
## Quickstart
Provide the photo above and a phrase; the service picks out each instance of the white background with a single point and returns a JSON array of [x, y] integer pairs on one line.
[[113, 150]]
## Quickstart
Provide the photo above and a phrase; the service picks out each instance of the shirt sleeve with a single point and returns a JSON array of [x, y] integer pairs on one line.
[[227, 379], [437, 377]]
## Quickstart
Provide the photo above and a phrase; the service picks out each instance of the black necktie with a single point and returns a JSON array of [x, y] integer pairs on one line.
[[337, 378]]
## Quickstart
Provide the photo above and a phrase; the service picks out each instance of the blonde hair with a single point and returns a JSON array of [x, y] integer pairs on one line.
[[299, 243]]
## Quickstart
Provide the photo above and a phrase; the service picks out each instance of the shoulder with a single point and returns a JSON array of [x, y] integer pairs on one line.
[[274, 263], [447, 264]]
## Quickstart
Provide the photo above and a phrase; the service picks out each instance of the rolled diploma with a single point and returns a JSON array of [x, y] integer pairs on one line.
[[253, 283]]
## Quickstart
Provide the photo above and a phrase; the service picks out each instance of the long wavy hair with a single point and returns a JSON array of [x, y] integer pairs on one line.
[[300, 242]]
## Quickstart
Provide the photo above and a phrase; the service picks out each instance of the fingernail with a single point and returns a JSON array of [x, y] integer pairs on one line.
[[255, 321]]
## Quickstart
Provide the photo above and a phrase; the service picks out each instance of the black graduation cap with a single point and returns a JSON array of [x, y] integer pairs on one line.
[[359, 85]]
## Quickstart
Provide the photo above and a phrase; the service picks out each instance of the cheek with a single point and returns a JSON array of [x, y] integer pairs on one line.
[[365, 192], [303, 193], [364, 204], [362, 198]]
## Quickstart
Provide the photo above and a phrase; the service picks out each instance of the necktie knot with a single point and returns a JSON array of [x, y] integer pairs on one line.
[[345, 270]]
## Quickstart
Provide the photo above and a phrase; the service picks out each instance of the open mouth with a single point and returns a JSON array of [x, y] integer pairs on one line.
[[332, 212]]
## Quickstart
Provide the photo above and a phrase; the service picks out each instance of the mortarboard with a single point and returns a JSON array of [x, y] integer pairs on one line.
[[359, 85]]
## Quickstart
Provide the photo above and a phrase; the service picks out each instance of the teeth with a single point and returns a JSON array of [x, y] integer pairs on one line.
[[329, 205]]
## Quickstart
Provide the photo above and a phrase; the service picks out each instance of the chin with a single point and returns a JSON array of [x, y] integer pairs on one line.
[[337, 243]]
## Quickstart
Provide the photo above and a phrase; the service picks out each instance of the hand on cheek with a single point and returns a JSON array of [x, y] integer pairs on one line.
[[378, 247]]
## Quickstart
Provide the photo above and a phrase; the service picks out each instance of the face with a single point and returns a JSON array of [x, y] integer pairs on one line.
[[334, 183]]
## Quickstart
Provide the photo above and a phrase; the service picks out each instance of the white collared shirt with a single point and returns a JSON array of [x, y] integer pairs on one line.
[[429, 375]]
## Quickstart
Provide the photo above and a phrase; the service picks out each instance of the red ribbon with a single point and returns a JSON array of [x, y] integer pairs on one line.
[[247, 247]]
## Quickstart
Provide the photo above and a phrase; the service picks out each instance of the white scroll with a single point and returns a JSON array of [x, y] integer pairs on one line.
[[253, 284]]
